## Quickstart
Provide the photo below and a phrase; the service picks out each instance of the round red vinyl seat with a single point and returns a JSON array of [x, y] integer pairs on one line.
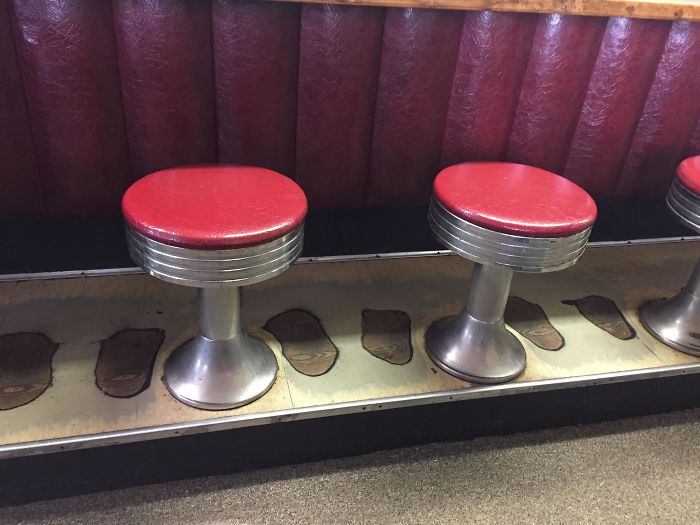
[[214, 207], [688, 174], [515, 199]]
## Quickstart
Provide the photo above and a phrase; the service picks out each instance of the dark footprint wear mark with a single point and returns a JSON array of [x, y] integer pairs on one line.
[[386, 334], [25, 368], [125, 364], [530, 321], [605, 314], [305, 344]]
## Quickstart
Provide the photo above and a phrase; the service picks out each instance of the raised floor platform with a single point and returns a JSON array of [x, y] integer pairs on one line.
[[348, 335]]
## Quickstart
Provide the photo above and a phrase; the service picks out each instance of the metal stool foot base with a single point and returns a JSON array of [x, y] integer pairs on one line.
[[477, 351], [217, 375], [475, 345], [675, 321]]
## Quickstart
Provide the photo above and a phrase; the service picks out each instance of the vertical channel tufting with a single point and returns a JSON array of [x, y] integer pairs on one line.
[[69, 69], [490, 67], [361, 105], [564, 50], [21, 188], [256, 50], [166, 66], [338, 70], [419, 51], [621, 77], [668, 117]]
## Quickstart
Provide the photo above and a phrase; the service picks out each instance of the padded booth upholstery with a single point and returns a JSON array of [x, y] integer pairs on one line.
[[360, 105]]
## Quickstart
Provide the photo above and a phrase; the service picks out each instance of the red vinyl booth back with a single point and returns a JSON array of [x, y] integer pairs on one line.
[[362, 106]]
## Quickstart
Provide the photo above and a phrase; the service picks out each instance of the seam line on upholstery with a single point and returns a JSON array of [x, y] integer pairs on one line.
[[518, 92], [583, 99], [295, 130], [122, 100], [11, 17], [370, 146], [450, 94], [214, 85], [650, 85]]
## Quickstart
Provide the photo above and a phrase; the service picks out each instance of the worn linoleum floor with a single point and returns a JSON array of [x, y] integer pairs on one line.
[[641, 470]]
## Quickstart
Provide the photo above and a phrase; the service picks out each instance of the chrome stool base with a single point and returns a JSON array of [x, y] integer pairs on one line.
[[477, 351], [676, 321], [217, 375], [475, 345], [222, 367]]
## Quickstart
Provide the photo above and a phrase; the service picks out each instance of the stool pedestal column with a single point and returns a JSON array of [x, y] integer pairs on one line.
[[676, 321], [222, 367], [506, 218], [475, 345]]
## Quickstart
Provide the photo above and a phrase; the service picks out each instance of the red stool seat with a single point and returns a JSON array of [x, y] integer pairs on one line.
[[515, 199], [214, 207], [688, 174]]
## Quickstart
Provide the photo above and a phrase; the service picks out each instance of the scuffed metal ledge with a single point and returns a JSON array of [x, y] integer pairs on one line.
[[336, 409]]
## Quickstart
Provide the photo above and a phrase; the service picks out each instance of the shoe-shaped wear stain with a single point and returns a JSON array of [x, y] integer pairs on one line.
[[125, 364], [25, 368], [386, 334], [605, 314], [530, 321], [305, 344]]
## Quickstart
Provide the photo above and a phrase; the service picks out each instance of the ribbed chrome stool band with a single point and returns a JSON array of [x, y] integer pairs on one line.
[[519, 253], [684, 204], [215, 268]]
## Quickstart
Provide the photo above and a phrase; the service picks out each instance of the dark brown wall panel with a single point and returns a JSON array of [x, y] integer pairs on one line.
[[21, 188], [668, 117], [621, 78], [166, 65], [338, 71], [492, 60], [69, 68], [419, 51], [564, 51], [256, 50]]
